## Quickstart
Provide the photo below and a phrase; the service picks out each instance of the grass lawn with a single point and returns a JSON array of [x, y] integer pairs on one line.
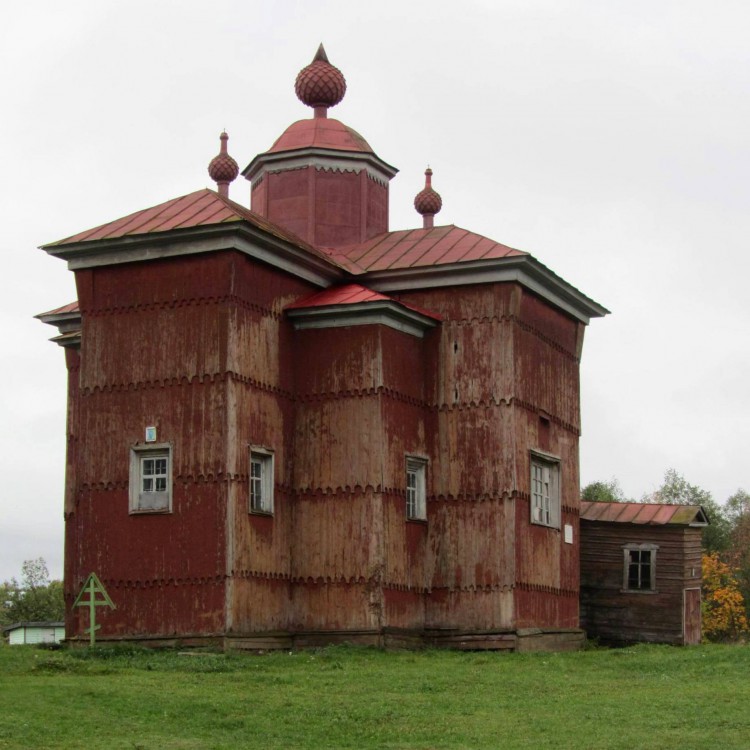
[[634, 698]]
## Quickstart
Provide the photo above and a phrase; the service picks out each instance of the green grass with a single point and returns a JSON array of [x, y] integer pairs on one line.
[[634, 698]]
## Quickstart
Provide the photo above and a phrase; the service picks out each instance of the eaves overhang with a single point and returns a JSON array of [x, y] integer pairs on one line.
[[521, 269], [68, 324], [320, 158], [236, 235], [65, 322], [382, 312]]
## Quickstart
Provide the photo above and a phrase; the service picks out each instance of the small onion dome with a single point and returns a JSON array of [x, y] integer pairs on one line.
[[223, 168], [428, 202], [320, 85]]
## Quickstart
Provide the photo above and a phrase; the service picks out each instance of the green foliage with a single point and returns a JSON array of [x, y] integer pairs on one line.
[[604, 492], [365, 698], [738, 555], [36, 598], [676, 489]]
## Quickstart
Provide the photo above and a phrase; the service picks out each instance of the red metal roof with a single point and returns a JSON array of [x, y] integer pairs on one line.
[[320, 132], [651, 514], [352, 294], [410, 248], [201, 208], [71, 307], [348, 294]]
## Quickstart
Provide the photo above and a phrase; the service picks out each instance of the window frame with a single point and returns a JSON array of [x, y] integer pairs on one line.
[[139, 454], [652, 549], [549, 467], [264, 458], [416, 493]]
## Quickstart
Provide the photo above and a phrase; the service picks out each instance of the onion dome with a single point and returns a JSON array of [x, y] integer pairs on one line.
[[428, 202], [223, 168], [320, 85]]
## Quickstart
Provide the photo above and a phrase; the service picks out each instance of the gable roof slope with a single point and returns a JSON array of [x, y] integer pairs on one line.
[[644, 514]]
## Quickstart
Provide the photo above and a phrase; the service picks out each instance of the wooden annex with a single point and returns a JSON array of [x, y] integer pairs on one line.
[[641, 572], [290, 426]]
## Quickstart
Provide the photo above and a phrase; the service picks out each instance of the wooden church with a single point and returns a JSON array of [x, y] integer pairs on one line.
[[289, 426]]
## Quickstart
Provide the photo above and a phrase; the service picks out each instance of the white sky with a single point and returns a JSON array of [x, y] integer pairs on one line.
[[608, 139]]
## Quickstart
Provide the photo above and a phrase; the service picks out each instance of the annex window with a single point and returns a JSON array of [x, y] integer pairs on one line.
[[545, 490], [261, 481], [416, 489], [151, 479], [640, 567]]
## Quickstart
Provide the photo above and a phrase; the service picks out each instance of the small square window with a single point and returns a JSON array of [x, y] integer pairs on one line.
[[639, 572], [261, 481], [150, 479], [545, 491], [416, 489]]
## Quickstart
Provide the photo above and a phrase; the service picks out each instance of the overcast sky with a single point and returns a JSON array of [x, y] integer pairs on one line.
[[608, 139]]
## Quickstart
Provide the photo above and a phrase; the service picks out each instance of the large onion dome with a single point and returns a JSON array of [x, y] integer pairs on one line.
[[320, 85]]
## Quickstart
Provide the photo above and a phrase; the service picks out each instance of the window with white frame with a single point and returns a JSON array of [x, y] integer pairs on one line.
[[545, 490], [151, 479], [416, 488], [261, 481], [639, 573]]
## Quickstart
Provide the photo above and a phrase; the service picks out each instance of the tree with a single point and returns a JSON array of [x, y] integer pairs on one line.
[[604, 492], [36, 598], [676, 489], [738, 554], [723, 607]]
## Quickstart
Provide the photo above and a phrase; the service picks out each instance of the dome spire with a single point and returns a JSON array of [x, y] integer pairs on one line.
[[428, 202], [320, 85], [223, 168]]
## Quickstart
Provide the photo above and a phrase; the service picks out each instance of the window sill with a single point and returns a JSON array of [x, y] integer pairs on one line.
[[149, 511], [639, 592], [420, 521], [263, 513], [546, 526]]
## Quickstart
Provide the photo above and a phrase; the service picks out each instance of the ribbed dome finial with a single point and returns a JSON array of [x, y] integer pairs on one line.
[[223, 168], [428, 202], [320, 85]]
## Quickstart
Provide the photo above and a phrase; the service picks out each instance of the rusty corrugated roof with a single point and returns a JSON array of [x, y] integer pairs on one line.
[[652, 514], [410, 248]]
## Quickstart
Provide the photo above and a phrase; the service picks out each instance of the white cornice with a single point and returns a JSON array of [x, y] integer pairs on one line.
[[320, 158], [68, 324], [382, 312], [522, 269], [235, 235]]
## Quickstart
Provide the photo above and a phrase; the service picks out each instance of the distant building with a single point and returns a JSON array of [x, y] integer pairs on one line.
[[292, 426], [641, 572], [21, 633]]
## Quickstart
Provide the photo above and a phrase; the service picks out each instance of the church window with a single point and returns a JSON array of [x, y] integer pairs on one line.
[[151, 479]]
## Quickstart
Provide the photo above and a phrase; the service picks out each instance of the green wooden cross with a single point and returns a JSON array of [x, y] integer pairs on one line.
[[92, 587]]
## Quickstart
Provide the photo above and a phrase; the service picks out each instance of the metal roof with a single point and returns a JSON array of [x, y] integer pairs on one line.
[[320, 132], [71, 307], [409, 248], [353, 294], [41, 624], [650, 514], [201, 208], [391, 261]]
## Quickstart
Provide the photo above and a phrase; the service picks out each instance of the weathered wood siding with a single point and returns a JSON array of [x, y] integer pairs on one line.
[[614, 615], [200, 347]]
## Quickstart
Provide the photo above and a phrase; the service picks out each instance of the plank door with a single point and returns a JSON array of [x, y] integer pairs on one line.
[[691, 618]]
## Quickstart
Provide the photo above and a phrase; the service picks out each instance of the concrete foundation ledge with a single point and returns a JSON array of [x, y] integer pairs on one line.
[[522, 640]]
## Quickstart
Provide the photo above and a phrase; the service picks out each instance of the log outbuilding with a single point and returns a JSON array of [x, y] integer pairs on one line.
[[641, 572]]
